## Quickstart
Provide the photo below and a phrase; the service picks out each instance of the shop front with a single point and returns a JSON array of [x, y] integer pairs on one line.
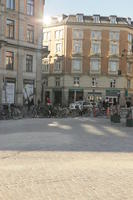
[[8, 92], [112, 96], [28, 91], [94, 96], [57, 97], [75, 95]]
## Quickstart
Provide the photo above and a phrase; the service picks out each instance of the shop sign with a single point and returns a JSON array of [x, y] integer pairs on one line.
[[111, 92]]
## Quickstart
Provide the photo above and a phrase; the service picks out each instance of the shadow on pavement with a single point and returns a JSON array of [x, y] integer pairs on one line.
[[81, 134]]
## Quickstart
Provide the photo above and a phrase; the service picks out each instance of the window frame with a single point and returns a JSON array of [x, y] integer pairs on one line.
[[11, 4], [30, 33], [29, 63], [76, 81], [74, 66], [57, 81], [10, 29], [10, 59], [30, 7], [93, 69], [113, 83]]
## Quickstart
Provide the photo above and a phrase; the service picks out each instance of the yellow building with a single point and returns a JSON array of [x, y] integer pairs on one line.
[[90, 58], [20, 50]]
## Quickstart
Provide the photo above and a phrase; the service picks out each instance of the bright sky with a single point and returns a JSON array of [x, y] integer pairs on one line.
[[121, 8]]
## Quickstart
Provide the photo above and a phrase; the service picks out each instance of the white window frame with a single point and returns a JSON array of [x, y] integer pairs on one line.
[[130, 37], [129, 68], [114, 36], [59, 34], [94, 82], [46, 36], [96, 18], [96, 35], [95, 65], [58, 47], [115, 64], [57, 81], [79, 18], [113, 20], [113, 83], [79, 67], [128, 83], [77, 46], [76, 81], [77, 34], [114, 48], [96, 48], [129, 48], [45, 66], [57, 65]]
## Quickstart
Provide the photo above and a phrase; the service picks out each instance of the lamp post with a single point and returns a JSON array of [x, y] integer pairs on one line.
[[94, 92]]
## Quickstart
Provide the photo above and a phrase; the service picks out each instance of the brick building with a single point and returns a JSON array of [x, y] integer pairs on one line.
[[90, 58], [20, 50]]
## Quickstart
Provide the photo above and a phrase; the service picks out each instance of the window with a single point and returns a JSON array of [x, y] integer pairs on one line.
[[130, 37], [10, 29], [94, 82], [129, 20], [45, 82], [77, 46], [76, 65], [114, 36], [129, 68], [128, 84], [113, 66], [76, 81], [129, 48], [45, 66], [10, 4], [58, 34], [113, 20], [95, 65], [57, 81], [30, 34], [57, 66], [30, 7], [95, 35], [79, 18], [58, 47], [114, 48], [77, 34], [9, 60], [112, 83], [29, 63], [96, 18], [46, 36], [95, 48]]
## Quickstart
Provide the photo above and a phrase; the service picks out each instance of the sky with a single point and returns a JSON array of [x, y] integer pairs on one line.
[[121, 8]]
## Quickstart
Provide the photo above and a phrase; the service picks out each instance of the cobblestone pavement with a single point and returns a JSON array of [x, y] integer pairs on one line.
[[65, 159]]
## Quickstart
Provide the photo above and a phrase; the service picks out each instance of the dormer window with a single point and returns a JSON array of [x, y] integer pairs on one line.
[[113, 20], [79, 17], [96, 18], [129, 20]]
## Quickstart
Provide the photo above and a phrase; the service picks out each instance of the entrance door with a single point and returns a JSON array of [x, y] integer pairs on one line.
[[58, 97]]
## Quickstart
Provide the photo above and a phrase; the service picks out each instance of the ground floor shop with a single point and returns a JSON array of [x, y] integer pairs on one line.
[[68, 95], [11, 93]]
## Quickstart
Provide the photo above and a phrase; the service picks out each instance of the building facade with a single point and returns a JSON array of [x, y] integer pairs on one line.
[[90, 58], [20, 50]]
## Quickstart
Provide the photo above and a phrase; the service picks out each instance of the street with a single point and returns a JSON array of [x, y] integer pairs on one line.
[[65, 159]]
